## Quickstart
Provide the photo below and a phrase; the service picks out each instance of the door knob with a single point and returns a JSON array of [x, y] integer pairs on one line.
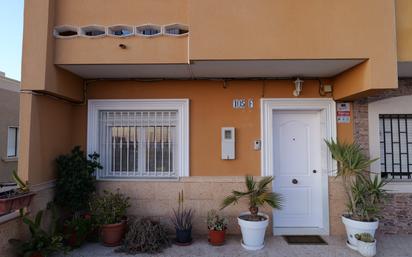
[[314, 171], [294, 181]]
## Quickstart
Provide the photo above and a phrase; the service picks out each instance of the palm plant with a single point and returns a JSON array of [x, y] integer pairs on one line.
[[364, 194], [258, 194]]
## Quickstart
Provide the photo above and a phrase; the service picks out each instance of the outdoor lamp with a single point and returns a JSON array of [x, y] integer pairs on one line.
[[298, 87]]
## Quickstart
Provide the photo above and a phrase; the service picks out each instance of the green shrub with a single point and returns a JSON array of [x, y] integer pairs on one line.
[[75, 180], [110, 208]]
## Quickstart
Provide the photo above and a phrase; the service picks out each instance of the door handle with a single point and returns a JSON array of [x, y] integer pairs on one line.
[[294, 181], [314, 171]]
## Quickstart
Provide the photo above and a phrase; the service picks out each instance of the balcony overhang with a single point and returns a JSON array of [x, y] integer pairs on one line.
[[199, 69]]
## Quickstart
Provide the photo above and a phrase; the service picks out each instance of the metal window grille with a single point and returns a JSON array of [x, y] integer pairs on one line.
[[138, 144], [396, 146]]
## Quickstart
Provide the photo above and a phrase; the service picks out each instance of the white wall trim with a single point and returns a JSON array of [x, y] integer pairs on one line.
[[393, 105], [327, 107], [181, 105]]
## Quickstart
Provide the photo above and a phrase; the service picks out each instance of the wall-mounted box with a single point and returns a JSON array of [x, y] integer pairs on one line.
[[228, 143]]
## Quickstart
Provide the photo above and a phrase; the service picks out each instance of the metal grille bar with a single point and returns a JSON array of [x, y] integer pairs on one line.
[[396, 146], [138, 144]]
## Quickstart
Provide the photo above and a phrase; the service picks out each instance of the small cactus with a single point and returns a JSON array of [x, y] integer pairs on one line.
[[365, 237]]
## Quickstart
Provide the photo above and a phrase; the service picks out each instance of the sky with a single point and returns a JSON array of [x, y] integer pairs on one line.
[[11, 37]]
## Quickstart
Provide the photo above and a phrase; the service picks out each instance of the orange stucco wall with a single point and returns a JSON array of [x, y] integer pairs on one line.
[[210, 109], [247, 30], [46, 131], [38, 69]]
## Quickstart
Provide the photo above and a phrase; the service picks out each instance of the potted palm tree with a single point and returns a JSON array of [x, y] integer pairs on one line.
[[253, 223], [365, 194]]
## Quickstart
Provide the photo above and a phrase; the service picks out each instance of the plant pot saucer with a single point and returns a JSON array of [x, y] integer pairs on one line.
[[182, 244], [251, 248], [353, 247]]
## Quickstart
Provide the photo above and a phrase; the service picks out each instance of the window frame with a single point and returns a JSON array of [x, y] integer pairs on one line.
[[16, 142], [182, 137], [391, 105]]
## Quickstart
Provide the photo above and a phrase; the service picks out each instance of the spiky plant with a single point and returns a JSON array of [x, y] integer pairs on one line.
[[257, 193], [182, 217], [364, 194], [365, 237]]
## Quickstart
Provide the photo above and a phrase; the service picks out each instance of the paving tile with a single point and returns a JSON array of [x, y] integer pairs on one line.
[[388, 246]]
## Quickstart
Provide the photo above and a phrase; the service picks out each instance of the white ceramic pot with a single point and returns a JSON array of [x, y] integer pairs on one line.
[[367, 249], [354, 227], [253, 232]]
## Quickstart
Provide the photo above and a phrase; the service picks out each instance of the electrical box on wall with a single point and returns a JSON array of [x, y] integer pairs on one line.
[[228, 143]]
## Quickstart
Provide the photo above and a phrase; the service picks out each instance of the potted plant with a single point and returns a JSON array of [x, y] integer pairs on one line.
[[16, 199], [366, 244], [182, 220], [217, 226], [365, 195], [109, 212], [77, 229], [42, 243], [253, 223]]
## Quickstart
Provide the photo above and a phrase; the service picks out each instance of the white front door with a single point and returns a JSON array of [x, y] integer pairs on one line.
[[297, 171]]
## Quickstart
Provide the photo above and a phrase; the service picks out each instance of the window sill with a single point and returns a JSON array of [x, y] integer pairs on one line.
[[10, 159], [9, 217], [396, 187]]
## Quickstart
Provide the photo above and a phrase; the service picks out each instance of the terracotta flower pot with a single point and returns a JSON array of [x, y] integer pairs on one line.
[[112, 234], [217, 237], [15, 203]]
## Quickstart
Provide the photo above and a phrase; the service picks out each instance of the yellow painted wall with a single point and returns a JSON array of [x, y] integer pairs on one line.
[[404, 29], [210, 109]]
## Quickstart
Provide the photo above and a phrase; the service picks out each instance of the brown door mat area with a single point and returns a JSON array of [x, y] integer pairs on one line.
[[305, 240]]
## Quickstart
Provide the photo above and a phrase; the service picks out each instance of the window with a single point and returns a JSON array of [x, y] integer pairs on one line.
[[395, 133], [12, 142], [139, 138]]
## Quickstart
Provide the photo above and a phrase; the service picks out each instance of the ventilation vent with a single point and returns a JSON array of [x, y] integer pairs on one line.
[[149, 30], [93, 31], [176, 30], [120, 31], [66, 31]]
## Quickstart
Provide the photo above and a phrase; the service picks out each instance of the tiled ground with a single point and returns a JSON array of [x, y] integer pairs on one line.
[[388, 246]]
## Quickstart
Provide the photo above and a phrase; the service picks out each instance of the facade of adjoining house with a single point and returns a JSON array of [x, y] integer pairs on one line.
[[193, 95], [9, 126]]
